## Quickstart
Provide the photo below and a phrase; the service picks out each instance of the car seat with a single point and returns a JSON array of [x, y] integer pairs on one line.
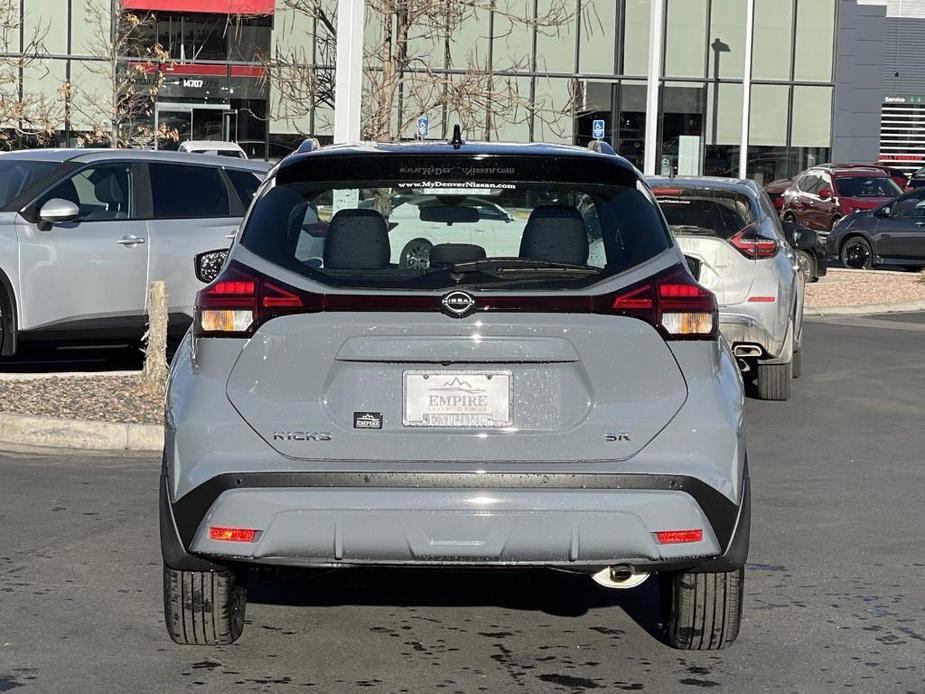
[[555, 234]]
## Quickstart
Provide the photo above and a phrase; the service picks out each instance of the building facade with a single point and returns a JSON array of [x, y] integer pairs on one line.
[[806, 89], [902, 127]]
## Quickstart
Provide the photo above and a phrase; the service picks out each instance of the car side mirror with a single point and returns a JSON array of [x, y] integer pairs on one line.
[[825, 194], [805, 239], [57, 211], [885, 212], [209, 264]]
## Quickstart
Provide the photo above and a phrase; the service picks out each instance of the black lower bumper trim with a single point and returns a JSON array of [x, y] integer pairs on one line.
[[190, 509]]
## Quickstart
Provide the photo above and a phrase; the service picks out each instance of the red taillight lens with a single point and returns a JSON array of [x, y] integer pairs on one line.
[[239, 300], [232, 534], [677, 537], [749, 244], [673, 302]]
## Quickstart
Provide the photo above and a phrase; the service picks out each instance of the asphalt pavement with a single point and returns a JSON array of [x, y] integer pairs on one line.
[[834, 584]]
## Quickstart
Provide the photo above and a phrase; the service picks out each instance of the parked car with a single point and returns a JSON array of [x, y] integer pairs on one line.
[[892, 234], [812, 256], [821, 196], [917, 180], [730, 228], [214, 147], [82, 232], [545, 409], [487, 225], [776, 190]]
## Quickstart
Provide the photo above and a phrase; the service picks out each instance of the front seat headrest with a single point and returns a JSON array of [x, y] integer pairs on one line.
[[357, 239], [555, 234]]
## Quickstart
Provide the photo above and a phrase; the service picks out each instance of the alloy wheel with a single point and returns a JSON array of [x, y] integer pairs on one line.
[[856, 254]]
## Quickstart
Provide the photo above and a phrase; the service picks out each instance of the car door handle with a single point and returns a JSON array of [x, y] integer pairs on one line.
[[920, 224], [130, 240]]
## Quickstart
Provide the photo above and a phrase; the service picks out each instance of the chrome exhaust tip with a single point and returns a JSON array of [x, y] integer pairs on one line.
[[620, 577], [747, 351]]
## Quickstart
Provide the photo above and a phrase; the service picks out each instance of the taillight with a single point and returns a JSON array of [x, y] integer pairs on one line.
[[751, 245], [239, 300], [676, 537], [673, 302]]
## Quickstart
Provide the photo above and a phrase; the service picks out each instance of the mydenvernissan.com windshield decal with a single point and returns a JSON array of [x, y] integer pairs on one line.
[[450, 186]]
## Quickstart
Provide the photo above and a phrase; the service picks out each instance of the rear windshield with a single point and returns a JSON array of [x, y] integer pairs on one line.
[[705, 212], [17, 176], [456, 228], [867, 187]]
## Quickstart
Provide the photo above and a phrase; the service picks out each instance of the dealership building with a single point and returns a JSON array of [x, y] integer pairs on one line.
[[762, 88]]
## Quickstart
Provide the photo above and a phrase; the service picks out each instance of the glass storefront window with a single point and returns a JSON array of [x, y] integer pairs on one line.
[[773, 39], [596, 52], [727, 39], [768, 115], [555, 45], [815, 40], [631, 97], [812, 117], [723, 130], [682, 127], [636, 37], [685, 38], [469, 45], [513, 124], [513, 40], [553, 110]]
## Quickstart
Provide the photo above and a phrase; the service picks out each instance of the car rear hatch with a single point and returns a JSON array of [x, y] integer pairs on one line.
[[427, 387], [556, 354], [710, 227]]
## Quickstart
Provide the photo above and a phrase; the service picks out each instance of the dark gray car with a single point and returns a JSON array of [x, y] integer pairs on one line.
[[568, 405], [83, 232]]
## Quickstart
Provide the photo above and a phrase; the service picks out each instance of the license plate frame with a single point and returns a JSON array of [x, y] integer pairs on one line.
[[468, 388]]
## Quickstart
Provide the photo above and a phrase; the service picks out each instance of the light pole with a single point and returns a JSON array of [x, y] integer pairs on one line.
[[656, 29], [348, 74]]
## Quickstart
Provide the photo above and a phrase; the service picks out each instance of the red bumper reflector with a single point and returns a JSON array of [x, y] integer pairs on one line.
[[676, 537], [762, 299], [232, 534]]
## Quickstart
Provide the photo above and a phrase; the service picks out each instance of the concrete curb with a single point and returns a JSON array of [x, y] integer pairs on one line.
[[46, 432], [908, 307]]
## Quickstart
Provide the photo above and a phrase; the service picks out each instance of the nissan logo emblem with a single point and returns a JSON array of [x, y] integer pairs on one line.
[[458, 304]]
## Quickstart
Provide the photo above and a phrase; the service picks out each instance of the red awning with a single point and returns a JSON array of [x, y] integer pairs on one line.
[[253, 7]]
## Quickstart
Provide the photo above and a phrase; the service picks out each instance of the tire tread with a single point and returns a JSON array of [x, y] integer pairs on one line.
[[203, 607], [774, 381], [705, 609]]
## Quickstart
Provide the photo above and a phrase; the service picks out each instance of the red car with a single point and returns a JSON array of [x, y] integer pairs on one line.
[[821, 196], [776, 190]]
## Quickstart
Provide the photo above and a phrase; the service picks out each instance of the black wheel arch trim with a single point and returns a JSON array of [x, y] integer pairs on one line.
[[10, 317], [181, 519]]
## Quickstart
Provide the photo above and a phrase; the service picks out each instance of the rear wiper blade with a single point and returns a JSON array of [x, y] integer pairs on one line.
[[501, 266], [692, 229]]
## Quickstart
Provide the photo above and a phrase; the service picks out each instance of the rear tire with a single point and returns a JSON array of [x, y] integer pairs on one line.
[[807, 265], [774, 381], [797, 365], [703, 610], [204, 608]]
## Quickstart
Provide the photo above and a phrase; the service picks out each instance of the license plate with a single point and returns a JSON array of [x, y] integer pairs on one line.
[[457, 399]]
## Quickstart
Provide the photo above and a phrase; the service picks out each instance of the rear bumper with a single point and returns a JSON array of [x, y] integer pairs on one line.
[[487, 519], [745, 329]]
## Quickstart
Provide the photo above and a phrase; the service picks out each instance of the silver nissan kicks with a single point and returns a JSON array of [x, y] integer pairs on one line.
[[563, 401]]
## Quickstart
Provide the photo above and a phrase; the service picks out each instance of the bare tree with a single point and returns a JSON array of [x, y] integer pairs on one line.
[[23, 113], [400, 80], [131, 65]]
